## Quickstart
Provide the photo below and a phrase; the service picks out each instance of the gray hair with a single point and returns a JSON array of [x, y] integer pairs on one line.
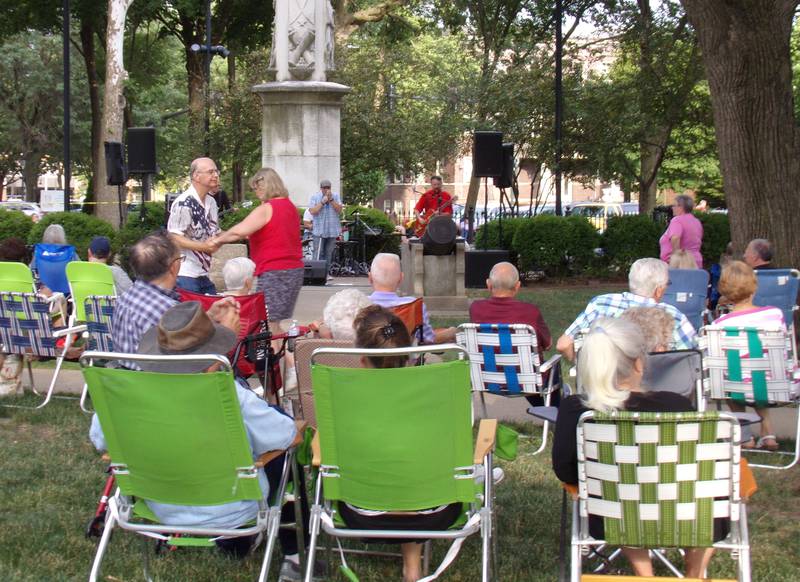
[[762, 248], [385, 270], [656, 325], [341, 310], [152, 256], [236, 272], [685, 202], [647, 275], [504, 276], [54, 235]]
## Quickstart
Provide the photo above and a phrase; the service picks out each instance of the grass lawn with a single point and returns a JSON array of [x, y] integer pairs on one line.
[[51, 477]]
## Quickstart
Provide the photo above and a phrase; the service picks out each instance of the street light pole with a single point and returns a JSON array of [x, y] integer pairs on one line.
[[559, 15], [66, 131]]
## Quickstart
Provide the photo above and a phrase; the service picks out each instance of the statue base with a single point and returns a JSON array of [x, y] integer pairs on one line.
[[438, 279], [300, 134]]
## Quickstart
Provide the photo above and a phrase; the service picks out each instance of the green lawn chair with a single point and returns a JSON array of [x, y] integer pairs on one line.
[[400, 439], [86, 279], [658, 480], [92, 292], [202, 457], [16, 278]]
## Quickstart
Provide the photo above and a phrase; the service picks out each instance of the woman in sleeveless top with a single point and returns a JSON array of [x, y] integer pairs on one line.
[[273, 229]]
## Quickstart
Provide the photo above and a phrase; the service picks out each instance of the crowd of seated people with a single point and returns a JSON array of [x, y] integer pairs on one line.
[[618, 329]]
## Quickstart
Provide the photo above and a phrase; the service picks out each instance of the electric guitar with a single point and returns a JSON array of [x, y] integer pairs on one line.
[[421, 224]]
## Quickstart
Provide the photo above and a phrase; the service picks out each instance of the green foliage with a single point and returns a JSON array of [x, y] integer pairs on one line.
[[234, 216], [135, 228], [80, 229], [488, 235], [374, 218], [556, 245], [716, 236], [362, 187], [14, 223], [628, 238]]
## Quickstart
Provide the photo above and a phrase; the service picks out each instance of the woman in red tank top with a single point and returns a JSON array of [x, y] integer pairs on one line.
[[273, 229]]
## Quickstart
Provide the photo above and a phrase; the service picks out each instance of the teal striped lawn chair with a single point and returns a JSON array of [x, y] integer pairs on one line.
[[504, 360], [658, 481], [755, 366]]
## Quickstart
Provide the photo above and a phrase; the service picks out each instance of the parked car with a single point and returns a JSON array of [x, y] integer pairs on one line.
[[598, 213], [30, 209]]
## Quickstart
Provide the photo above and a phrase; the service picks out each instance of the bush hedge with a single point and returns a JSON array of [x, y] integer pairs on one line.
[[628, 238], [374, 218], [14, 223], [135, 228], [487, 236], [716, 236], [555, 244], [80, 229]]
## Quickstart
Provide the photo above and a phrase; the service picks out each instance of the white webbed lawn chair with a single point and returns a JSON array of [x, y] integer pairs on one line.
[[504, 360]]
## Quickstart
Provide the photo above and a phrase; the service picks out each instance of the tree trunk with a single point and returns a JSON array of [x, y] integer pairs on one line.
[[30, 175], [745, 46], [113, 105], [651, 156], [87, 47], [191, 33]]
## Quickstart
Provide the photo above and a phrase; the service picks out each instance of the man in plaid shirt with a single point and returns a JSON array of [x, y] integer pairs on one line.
[[156, 261], [647, 280]]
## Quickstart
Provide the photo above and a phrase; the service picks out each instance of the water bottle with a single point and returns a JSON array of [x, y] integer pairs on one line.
[[293, 334]]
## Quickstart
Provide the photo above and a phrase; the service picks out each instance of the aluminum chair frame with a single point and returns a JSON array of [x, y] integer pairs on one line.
[[726, 455], [779, 366], [120, 506], [482, 517], [522, 369]]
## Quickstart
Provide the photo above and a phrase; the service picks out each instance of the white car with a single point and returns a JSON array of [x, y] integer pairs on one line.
[[598, 213], [30, 209]]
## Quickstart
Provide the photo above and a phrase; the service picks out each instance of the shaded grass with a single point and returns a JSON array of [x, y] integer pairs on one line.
[[51, 477]]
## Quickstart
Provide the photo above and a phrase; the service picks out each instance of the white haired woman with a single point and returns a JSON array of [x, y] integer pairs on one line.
[[684, 233], [611, 364], [238, 276], [339, 313]]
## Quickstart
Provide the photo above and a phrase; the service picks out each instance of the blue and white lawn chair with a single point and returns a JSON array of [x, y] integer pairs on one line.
[[687, 292], [50, 264], [778, 288], [99, 313], [504, 360]]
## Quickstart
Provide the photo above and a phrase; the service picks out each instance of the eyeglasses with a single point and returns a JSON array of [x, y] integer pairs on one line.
[[325, 187], [209, 172], [180, 258]]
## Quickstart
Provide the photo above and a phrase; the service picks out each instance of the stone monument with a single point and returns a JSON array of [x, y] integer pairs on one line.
[[301, 110], [439, 279]]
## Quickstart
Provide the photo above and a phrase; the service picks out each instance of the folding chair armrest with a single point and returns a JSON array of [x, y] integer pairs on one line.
[[316, 453], [484, 444], [68, 330], [265, 458], [56, 296], [550, 363]]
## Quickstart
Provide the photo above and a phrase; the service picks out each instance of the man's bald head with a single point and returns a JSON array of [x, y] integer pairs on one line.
[[503, 280], [385, 273], [204, 175]]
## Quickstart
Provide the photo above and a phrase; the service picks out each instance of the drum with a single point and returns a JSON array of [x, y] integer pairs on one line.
[[440, 236]]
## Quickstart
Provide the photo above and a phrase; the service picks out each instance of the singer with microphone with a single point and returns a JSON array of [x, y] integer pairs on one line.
[[325, 207]]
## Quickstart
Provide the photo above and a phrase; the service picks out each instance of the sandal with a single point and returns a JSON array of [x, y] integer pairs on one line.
[[749, 444], [768, 443]]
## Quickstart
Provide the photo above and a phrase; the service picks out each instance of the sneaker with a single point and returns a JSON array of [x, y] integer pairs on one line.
[[290, 571], [497, 475]]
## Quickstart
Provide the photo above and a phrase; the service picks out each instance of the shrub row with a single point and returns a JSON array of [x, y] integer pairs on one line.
[[563, 245]]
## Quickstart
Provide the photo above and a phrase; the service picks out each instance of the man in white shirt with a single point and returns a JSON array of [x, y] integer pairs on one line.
[[193, 220]]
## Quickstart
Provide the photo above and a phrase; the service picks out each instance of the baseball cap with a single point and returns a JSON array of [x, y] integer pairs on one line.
[[100, 246]]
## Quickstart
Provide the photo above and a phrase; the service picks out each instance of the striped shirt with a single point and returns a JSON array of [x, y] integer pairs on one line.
[[684, 336], [197, 221]]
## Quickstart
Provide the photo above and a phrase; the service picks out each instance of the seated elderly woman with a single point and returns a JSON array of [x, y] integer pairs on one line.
[[611, 365], [339, 313], [738, 283], [238, 276], [50, 260], [655, 324]]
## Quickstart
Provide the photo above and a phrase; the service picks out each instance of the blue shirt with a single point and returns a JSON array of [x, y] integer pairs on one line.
[[267, 430], [326, 222], [684, 336], [388, 300], [137, 310]]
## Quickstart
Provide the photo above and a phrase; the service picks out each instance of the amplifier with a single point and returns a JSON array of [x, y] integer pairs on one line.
[[477, 265], [314, 272]]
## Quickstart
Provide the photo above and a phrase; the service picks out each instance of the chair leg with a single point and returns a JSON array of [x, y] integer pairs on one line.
[[300, 508], [101, 547], [426, 558], [483, 405], [562, 540], [146, 542], [575, 548], [84, 394], [744, 551], [545, 428], [314, 526], [274, 523], [30, 373]]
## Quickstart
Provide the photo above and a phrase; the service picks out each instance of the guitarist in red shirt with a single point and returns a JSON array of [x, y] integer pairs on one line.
[[434, 201]]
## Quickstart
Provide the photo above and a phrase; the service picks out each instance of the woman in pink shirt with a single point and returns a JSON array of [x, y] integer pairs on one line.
[[684, 232], [738, 283]]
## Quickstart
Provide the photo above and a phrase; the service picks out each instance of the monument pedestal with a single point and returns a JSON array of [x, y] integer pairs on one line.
[[300, 134], [438, 279]]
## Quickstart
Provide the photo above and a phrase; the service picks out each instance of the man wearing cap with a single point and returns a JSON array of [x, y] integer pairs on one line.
[[325, 207], [186, 329], [99, 252]]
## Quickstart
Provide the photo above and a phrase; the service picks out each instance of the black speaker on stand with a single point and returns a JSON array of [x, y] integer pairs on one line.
[[116, 171], [142, 158], [487, 154]]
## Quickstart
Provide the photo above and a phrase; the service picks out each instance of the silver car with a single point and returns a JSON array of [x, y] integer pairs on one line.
[[30, 209]]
